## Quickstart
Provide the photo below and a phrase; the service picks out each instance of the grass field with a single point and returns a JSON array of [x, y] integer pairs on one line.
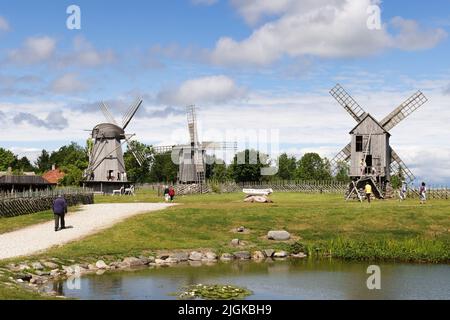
[[325, 223]]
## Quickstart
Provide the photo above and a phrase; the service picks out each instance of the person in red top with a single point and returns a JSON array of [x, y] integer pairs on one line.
[[171, 193]]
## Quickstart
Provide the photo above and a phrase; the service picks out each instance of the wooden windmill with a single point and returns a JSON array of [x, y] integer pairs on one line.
[[191, 157], [369, 151], [106, 169]]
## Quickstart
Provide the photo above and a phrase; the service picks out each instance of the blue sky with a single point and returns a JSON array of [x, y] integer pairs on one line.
[[257, 65]]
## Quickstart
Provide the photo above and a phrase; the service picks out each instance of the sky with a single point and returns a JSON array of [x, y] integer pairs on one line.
[[256, 70]]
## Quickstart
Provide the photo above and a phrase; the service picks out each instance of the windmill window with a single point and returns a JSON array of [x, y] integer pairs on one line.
[[359, 143]]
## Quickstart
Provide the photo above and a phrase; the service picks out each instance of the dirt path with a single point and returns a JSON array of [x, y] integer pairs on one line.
[[90, 219]]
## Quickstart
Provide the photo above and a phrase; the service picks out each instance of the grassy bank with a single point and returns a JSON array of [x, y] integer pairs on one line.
[[404, 231]]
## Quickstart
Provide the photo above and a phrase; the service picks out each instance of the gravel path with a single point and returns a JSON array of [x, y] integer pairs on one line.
[[90, 219]]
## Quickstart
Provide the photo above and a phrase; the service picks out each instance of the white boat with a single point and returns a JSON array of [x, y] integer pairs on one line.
[[257, 192]]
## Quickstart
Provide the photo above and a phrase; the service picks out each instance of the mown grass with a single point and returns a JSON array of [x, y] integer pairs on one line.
[[325, 223], [14, 223]]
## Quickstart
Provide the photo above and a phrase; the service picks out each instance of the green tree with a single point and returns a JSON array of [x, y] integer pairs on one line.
[[23, 165], [312, 167], [343, 170], [73, 175], [72, 154], [43, 162], [136, 172], [286, 167], [163, 168], [247, 166], [7, 159]]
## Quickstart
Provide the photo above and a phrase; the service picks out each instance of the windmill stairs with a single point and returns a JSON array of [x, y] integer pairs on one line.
[[356, 189]]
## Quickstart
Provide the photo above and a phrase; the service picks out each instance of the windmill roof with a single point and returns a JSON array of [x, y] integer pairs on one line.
[[368, 115]]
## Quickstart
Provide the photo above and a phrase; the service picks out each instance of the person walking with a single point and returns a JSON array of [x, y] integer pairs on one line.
[[166, 193], [403, 190], [423, 193], [368, 191], [59, 210], [171, 193]]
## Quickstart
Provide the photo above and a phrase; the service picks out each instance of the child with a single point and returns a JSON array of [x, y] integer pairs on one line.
[[171, 193], [403, 190], [423, 193], [368, 190]]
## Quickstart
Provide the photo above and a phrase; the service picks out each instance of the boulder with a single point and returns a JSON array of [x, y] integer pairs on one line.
[[235, 242], [151, 259], [210, 256], [240, 229], [160, 261], [280, 235], [180, 256], [226, 257], [68, 270], [269, 252], [100, 264], [37, 266], [50, 265], [280, 254], [242, 255], [258, 255], [92, 267], [132, 262], [195, 256], [299, 255], [162, 256]]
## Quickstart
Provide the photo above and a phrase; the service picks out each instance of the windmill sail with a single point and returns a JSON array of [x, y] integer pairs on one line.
[[349, 104], [130, 113], [342, 156], [397, 167], [109, 117], [405, 109]]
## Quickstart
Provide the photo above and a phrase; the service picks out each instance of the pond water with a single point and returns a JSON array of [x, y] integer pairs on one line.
[[291, 279]]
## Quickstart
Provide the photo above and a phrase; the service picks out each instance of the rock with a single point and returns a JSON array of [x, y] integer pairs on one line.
[[151, 259], [280, 235], [299, 255], [163, 256], [37, 266], [37, 280], [195, 256], [240, 229], [171, 260], [235, 242], [42, 273], [260, 199], [68, 270], [160, 261], [92, 267], [210, 256], [132, 262], [269, 252], [180, 256], [54, 273], [50, 265], [258, 255], [280, 254], [226, 257], [242, 255], [100, 264], [23, 267], [144, 260]]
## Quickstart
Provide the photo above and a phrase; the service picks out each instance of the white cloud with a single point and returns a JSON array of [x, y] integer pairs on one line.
[[212, 89], [85, 54], [4, 25], [34, 50], [324, 28], [68, 83]]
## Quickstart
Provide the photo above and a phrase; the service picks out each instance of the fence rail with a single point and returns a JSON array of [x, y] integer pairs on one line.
[[21, 203]]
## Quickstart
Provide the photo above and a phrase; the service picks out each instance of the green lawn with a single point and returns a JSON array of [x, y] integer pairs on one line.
[[382, 230]]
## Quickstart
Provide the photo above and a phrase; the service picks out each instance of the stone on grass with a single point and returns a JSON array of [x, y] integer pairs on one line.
[[195, 256], [235, 242], [242, 255], [279, 235], [226, 257], [210, 255], [100, 264], [180, 256], [50, 265], [132, 262], [280, 254], [258, 255], [37, 266]]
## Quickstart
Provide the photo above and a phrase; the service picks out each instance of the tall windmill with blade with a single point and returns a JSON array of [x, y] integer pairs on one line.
[[106, 170], [192, 157], [369, 152]]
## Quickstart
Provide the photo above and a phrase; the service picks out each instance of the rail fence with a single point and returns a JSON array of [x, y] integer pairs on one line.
[[21, 203]]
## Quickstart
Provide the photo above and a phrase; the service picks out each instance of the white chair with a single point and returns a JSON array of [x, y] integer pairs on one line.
[[119, 191], [129, 191]]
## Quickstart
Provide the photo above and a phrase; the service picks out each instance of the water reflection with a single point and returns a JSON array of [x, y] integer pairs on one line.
[[293, 279]]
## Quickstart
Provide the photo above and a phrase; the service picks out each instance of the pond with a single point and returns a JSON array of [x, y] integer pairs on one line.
[[290, 279]]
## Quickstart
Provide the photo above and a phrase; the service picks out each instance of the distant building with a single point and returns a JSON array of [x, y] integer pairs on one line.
[[26, 182], [54, 176]]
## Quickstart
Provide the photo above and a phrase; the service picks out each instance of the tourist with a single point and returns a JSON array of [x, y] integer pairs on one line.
[[166, 193], [368, 190], [59, 210], [171, 193], [403, 190], [423, 193]]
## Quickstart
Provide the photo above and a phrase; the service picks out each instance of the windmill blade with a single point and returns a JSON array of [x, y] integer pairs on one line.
[[398, 165], [138, 155], [342, 156], [405, 109], [208, 145], [162, 149], [192, 124], [130, 113], [346, 101], [109, 117]]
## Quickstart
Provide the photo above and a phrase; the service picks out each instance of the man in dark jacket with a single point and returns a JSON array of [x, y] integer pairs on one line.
[[59, 210]]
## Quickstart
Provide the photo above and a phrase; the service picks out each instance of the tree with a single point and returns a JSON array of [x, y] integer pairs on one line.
[[23, 165], [312, 167], [7, 159], [73, 175], [136, 172], [163, 169], [72, 154], [286, 167], [43, 162], [250, 168], [343, 170]]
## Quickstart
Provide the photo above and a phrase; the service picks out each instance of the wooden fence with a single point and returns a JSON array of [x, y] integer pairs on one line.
[[15, 204]]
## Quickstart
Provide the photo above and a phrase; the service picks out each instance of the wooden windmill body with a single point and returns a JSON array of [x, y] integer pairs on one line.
[[369, 153]]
